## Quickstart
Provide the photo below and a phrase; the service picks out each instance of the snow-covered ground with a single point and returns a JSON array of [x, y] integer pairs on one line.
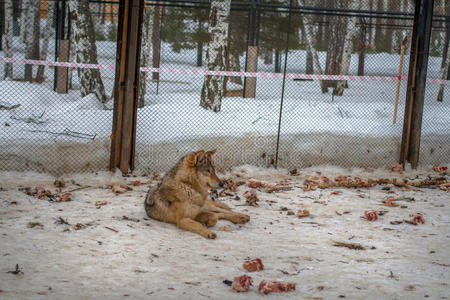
[[353, 130], [120, 252]]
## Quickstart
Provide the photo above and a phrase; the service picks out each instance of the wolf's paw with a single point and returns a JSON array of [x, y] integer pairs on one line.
[[211, 235], [241, 219]]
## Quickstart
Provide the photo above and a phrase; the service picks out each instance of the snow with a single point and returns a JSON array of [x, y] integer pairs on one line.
[[150, 259], [353, 130]]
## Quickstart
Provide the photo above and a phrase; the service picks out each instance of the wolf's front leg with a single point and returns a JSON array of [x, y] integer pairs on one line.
[[196, 227], [208, 218]]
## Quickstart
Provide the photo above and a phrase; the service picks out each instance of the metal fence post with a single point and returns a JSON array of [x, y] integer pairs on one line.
[[420, 44], [126, 85]]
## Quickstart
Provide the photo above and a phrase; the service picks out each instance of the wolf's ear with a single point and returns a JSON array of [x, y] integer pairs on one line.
[[195, 158], [210, 153]]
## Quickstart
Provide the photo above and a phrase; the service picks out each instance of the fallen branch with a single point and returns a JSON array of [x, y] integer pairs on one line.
[[33, 119], [7, 106], [68, 132]]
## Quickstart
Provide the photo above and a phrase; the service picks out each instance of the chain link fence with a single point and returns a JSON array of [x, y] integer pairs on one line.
[[50, 119], [265, 118]]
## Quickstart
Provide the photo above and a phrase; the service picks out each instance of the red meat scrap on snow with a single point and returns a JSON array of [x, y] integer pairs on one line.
[[371, 215], [269, 286], [253, 265], [241, 283]]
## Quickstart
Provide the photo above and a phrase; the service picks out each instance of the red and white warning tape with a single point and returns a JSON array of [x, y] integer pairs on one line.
[[201, 72]]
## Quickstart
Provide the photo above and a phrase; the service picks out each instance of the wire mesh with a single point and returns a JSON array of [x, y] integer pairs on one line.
[[340, 122], [48, 122]]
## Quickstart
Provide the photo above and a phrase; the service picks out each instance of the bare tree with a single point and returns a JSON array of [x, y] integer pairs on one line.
[[9, 10], [212, 90], [45, 43], [147, 30], [86, 50]]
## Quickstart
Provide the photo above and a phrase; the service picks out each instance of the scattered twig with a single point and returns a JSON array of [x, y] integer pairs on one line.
[[439, 264], [61, 221], [16, 271], [353, 246], [79, 188], [35, 224], [130, 219], [112, 229]]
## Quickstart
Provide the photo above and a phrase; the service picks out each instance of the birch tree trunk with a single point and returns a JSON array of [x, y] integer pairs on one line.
[[212, 90], [146, 48], [9, 10], [86, 50], [309, 37], [347, 49], [440, 96], [45, 43]]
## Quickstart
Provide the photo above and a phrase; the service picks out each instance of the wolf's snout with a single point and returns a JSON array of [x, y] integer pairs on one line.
[[221, 184]]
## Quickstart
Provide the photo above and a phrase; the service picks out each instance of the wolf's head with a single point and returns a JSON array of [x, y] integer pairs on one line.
[[201, 163]]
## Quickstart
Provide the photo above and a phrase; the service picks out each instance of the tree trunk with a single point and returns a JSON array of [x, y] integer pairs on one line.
[[2, 23], [9, 10], [362, 50], [410, 9], [447, 35], [309, 37], [440, 96], [336, 36], [103, 12], [45, 43], [235, 66], [268, 57], [199, 54], [156, 40], [146, 48], [72, 50], [277, 61], [200, 45], [30, 31], [212, 90], [309, 68], [347, 49], [86, 50]]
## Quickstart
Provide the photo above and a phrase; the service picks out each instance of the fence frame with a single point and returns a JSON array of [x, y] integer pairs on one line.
[[126, 85]]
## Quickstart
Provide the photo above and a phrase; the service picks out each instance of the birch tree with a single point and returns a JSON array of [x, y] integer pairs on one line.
[[45, 43], [9, 10], [86, 50], [347, 49], [147, 29], [212, 90], [309, 37], [440, 96]]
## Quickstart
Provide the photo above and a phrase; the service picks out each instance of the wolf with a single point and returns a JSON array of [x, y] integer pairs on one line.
[[181, 197]]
